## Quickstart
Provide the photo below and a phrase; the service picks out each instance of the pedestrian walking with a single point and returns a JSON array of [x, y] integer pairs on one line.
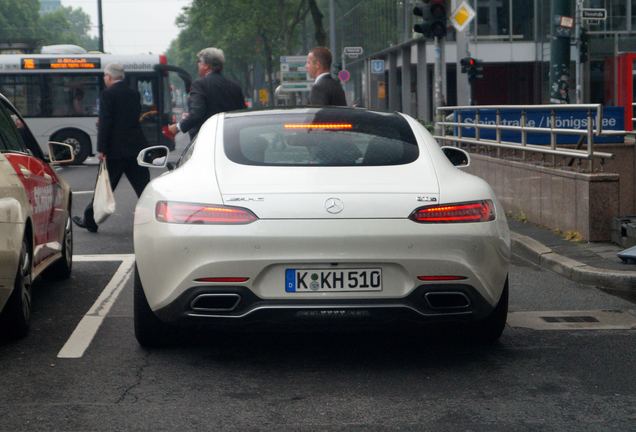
[[326, 90], [211, 93], [119, 137]]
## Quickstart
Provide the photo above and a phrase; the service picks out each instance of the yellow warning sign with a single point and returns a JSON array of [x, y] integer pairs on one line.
[[462, 16]]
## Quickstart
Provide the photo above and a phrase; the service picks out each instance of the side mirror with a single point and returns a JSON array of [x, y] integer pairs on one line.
[[60, 153], [153, 157], [457, 156]]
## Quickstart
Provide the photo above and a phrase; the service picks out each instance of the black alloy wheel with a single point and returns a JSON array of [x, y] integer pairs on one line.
[[16, 316]]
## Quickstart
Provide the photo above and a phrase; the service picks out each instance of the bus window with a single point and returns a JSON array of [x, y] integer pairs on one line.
[[73, 95], [24, 92]]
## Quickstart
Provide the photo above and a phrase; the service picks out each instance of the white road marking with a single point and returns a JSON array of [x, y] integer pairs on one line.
[[573, 320], [85, 331], [82, 192]]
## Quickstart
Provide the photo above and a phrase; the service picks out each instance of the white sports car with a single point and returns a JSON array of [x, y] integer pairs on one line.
[[318, 214]]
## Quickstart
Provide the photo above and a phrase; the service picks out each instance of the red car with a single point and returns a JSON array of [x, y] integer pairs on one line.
[[36, 237]]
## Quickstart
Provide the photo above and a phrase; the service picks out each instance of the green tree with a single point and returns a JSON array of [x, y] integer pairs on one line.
[[67, 25], [19, 20], [249, 31]]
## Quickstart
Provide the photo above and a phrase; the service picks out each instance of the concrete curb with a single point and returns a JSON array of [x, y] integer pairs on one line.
[[541, 255]]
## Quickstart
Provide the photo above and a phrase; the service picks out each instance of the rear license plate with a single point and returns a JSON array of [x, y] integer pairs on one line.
[[333, 280]]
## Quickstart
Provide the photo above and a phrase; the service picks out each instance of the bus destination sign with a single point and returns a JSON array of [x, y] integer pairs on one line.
[[31, 63]]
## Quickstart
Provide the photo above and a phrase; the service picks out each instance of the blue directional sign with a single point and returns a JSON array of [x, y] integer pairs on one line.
[[613, 119], [377, 66]]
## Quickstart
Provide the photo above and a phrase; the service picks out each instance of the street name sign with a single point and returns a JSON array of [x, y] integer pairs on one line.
[[594, 14], [353, 52]]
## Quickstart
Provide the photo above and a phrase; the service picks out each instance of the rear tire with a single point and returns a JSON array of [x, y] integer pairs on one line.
[[150, 331], [79, 140], [16, 317], [490, 329], [61, 269]]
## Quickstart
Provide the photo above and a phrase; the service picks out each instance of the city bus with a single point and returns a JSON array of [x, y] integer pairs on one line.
[[58, 94]]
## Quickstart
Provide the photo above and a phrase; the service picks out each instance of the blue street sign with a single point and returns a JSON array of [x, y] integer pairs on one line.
[[377, 66], [613, 119]]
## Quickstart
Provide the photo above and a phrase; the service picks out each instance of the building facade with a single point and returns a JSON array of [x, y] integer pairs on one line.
[[511, 37]]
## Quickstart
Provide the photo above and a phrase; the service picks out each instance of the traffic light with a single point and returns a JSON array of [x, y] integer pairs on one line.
[[434, 17], [584, 39], [473, 67]]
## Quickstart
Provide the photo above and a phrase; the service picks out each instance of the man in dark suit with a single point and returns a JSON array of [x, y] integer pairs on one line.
[[119, 137], [212, 93], [326, 90]]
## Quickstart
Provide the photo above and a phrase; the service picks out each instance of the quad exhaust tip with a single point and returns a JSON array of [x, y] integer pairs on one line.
[[226, 302], [447, 300]]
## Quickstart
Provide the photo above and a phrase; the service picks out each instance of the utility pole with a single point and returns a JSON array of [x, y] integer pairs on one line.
[[332, 28], [562, 23], [100, 26], [577, 38]]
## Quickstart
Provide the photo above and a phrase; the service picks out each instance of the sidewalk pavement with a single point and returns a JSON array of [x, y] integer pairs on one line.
[[589, 263]]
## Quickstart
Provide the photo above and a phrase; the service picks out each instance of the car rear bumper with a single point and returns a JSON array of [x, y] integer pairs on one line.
[[173, 258], [237, 305]]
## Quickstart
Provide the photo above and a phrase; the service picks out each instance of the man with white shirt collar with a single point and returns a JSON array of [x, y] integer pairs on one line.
[[326, 90]]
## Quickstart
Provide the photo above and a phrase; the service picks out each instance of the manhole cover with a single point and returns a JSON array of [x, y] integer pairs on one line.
[[573, 320]]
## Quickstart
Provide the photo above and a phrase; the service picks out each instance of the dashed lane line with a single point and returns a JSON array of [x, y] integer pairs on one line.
[[83, 192], [88, 326]]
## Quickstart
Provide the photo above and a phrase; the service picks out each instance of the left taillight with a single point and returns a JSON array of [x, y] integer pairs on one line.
[[476, 211], [203, 214]]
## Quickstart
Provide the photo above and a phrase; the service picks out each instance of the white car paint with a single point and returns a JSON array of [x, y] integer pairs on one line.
[[293, 229]]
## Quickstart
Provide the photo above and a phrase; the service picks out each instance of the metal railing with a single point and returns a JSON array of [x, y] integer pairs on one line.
[[594, 117]]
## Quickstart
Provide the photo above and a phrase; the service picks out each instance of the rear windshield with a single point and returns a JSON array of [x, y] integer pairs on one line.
[[326, 137]]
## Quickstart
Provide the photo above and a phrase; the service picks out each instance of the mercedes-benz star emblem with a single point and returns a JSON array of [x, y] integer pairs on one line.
[[334, 205]]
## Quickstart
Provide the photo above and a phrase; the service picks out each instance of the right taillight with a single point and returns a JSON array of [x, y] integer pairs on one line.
[[475, 211], [204, 214]]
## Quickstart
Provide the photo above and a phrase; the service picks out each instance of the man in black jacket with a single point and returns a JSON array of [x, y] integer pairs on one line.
[[326, 90], [119, 137], [212, 93]]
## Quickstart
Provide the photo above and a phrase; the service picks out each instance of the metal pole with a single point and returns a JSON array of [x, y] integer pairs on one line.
[[332, 27], [590, 140], [560, 51], [438, 96], [100, 26], [577, 38]]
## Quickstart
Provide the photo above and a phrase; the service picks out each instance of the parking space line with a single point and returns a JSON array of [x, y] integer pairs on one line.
[[90, 323]]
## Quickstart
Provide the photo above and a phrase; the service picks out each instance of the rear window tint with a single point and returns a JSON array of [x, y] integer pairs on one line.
[[324, 137]]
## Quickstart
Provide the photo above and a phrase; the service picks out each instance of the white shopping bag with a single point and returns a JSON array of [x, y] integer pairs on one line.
[[103, 199]]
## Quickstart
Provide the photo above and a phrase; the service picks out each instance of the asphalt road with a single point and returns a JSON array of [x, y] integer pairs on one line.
[[555, 379]]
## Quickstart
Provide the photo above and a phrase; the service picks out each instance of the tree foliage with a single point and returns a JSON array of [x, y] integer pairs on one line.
[[20, 21], [251, 32], [67, 26]]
